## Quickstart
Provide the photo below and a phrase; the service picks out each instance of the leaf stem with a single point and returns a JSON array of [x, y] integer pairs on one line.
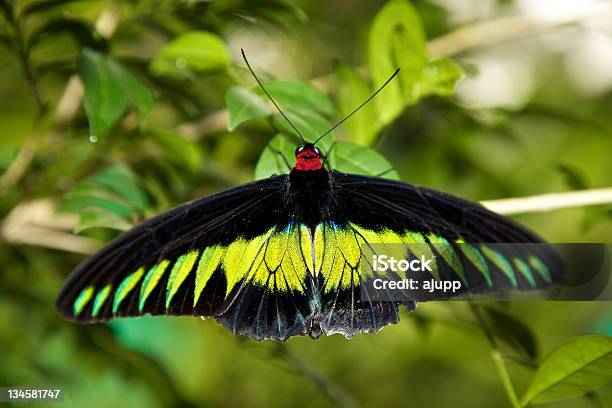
[[33, 84], [498, 360], [504, 377]]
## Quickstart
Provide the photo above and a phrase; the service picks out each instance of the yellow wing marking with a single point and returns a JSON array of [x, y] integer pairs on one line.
[[341, 258], [209, 261], [242, 257], [180, 270], [386, 240], [283, 257]]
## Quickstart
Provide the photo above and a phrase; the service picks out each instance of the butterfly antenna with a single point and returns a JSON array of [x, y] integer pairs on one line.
[[359, 107], [269, 96]]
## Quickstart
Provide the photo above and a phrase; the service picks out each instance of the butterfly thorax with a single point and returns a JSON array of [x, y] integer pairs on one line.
[[309, 196]]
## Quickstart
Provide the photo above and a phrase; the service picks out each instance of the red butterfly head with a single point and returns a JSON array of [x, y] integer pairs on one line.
[[308, 157]]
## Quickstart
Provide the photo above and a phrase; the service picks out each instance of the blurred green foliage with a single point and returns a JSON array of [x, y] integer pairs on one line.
[[115, 111]]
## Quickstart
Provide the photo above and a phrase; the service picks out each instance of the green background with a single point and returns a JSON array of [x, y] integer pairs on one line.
[[111, 112]]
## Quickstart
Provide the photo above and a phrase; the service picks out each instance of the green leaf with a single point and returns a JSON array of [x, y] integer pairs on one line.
[[408, 52], [578, 367], [244, 105], [299, 96], [89, 194], [270, 162], [574, 177], [396, 39], [124, 182], [94, 217], [196, 51], [109, 89], [139, 95], [300, 101], [179, 150], [351, 158], [105, 100], [111, 198], [310, 124], [352, 90], [440, 77], [512, 331]]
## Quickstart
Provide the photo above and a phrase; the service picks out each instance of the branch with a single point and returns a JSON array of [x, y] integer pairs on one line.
[[21, 162], [38, 223], [549, 202], [327, 387], [495, 31], [33, 84]]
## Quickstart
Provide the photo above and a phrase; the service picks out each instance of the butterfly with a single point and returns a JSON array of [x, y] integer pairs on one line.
[[284, 256]]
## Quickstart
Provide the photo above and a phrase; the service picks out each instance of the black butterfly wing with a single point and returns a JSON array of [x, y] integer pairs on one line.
[[224, 256], [468, 242]]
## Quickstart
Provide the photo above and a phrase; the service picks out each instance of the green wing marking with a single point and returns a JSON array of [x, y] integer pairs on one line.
[[150, 281], [126, 287], [476, 258], [82, 300], [448, 253], [180, 270], [501, 262], [525, 271], [100, 299], [540, 267]]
